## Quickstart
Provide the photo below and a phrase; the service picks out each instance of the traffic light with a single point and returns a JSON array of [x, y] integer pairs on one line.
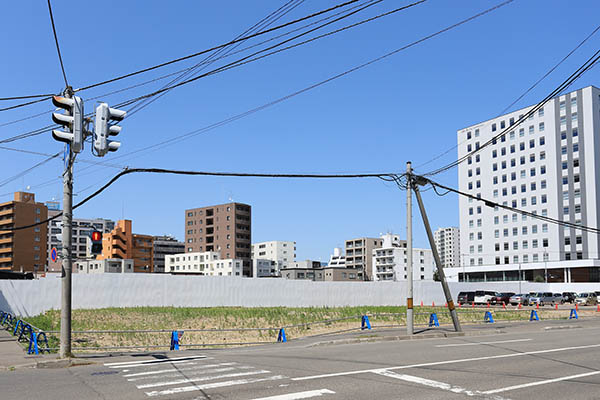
[[102, 128], [72, 132], [96, 243]]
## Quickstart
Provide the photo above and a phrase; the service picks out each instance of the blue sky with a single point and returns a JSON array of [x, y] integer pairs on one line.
[[407, 107]]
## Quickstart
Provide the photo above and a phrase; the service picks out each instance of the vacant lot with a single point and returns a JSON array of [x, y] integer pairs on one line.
[[203, 326]]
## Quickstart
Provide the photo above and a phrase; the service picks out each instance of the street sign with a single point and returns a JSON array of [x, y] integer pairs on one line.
[[53, 254]]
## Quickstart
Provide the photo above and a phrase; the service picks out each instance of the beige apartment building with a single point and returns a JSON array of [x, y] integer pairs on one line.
[[23, 250], [225, 228], [359, 255]]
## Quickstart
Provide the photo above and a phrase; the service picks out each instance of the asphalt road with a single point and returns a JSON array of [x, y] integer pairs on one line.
[[528, 361]]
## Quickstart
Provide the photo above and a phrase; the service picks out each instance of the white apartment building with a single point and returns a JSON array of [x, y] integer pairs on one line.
[[337, 259], [547, 165], [207, 263], [280, 252], [112, 265], [264, 268], [389, 261], [447, 242]]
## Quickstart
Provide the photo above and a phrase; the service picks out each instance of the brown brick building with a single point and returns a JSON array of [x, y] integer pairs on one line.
[[23, 250], [225, 228], [121, 243]]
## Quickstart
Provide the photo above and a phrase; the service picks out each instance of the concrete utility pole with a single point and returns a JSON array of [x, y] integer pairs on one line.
[[67, 263], [409, 253], [438, 262]]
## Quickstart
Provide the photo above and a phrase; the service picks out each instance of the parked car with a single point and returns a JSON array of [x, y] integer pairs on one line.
[[503, 298], [558, 298], [542, 298], [465, 297], [522, 298], [484, 297], [587, 299], [569, 297]]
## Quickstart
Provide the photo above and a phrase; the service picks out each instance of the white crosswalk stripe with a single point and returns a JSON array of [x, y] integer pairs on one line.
[[185, 389], [165, 372]]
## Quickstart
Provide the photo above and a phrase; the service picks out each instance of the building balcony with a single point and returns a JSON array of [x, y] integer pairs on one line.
[[6, 240], [6, 259], [7, 211], [8, 249]]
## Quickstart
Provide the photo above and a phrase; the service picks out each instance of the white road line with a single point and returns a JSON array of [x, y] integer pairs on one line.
[[462, 360], [479, 343], [153, 360], [185, 389], [183, 362], [164, 371], [201, 379], [525, 385], [195, 373], [299, 395]]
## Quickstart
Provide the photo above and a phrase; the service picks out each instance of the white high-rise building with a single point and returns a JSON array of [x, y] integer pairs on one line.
[[389, 261], [281, 253], [548, 165], [447, 242], [207, 263]]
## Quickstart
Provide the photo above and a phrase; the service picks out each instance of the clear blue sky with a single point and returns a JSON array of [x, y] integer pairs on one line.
[[407, 107]]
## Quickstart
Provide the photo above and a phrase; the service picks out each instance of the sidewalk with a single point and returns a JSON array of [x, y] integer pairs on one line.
[[12, 355]]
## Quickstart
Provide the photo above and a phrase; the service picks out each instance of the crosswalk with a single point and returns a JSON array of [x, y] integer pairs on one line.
[[172, 376]]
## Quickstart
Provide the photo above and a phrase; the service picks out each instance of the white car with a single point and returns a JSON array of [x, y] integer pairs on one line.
[[484, 297]]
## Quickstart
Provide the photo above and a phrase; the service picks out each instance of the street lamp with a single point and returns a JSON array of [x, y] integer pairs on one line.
[[546, 266]]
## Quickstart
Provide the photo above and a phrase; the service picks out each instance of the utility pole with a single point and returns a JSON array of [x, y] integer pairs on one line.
[[436, 257], [67, 263], [409, 252]]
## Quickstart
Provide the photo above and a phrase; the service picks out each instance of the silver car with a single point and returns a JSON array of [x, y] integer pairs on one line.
[[521, 298], [542, 298], [586, 299]]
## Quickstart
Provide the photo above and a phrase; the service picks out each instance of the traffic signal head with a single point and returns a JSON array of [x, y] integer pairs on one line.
[[96, 242], [72, 132], [103, 129]]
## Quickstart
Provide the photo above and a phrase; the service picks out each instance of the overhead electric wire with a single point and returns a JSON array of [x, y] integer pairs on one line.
[[263, 23], [215, 47], [491, 203], [308, 88], [249, 59], [522, 94], [62, 66], [590, 63], [207, 173], [33, 96], [22, 173]]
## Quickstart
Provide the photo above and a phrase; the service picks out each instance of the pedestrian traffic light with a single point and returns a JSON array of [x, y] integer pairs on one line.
[[103, 129], [72, 132], [96, 242]]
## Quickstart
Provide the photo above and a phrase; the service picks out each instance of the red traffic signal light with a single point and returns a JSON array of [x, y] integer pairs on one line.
[[96, 236]]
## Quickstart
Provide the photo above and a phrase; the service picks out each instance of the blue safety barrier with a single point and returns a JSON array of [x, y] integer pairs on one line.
[[38, 339], [488, 317], [175, 337], [33, 344], [281, 336], [365, 323], [573, 314], [433, 320], [19, 322], [26, 329], [534, 316]]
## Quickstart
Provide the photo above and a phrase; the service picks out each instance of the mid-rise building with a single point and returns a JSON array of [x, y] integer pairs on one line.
[[447, 242], [165, 245], [390, 261], [264, 268], [121, 243], [279, 252], [115, 266], [207, 263], [80, 232], [547, 165], [225, 228], [359, 255], [23, 250]]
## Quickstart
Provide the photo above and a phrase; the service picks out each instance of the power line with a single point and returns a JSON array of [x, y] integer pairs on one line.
[[20, 174], [33, 96], [215, 48], [386, 175], [62, 66], [494, 204], [207, 128], [522, 94], [590, 63], [249, 59]]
